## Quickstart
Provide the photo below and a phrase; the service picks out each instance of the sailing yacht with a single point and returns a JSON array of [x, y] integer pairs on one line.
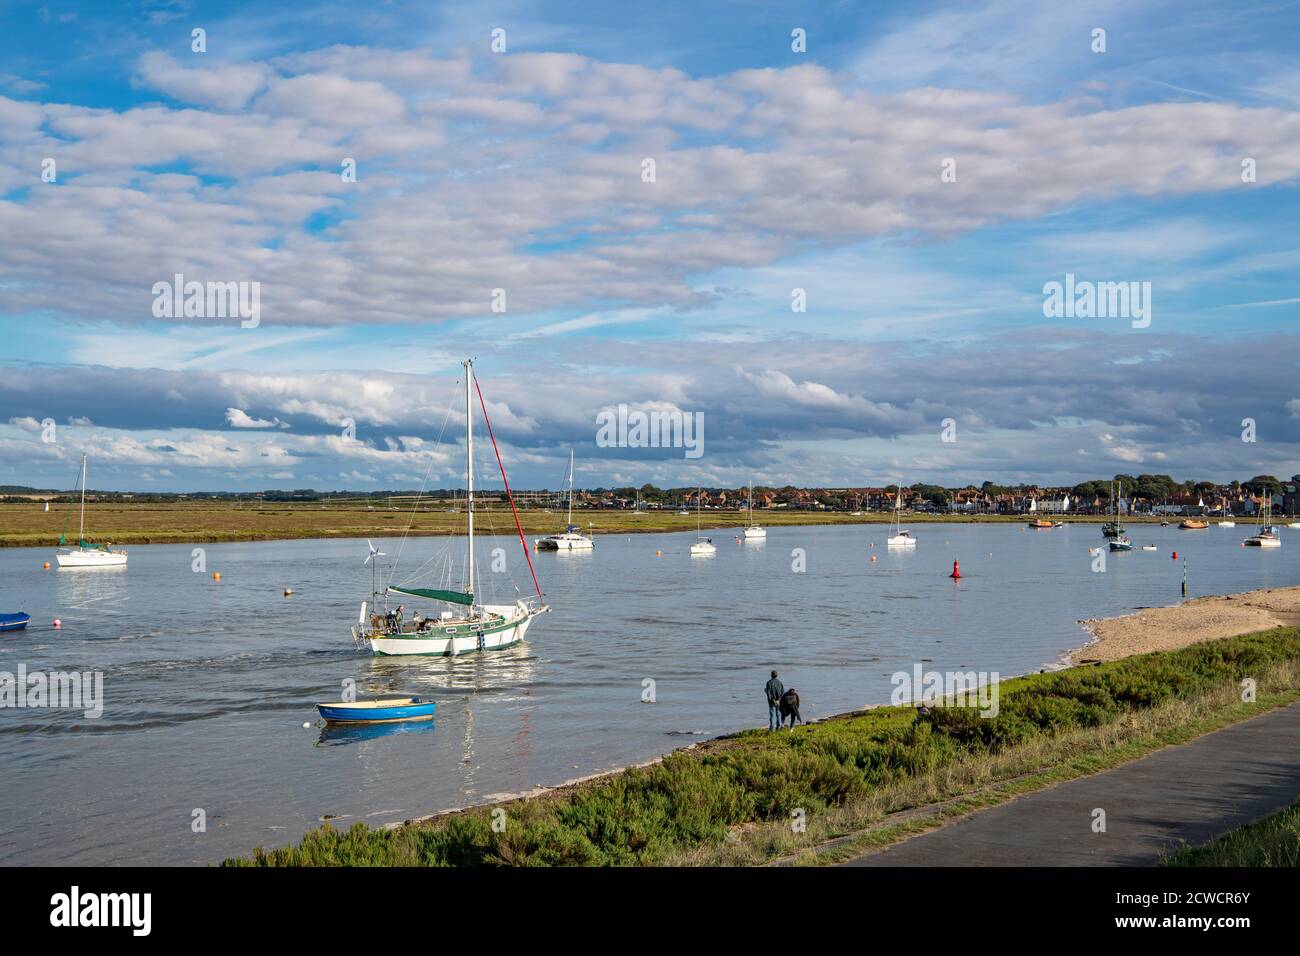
[[1118, 541], [1112, 528], [901, 536], [704, 546], [84, 554], [572, 539], [1266, 536], [1227, 521], [752, 531], [471, 626]]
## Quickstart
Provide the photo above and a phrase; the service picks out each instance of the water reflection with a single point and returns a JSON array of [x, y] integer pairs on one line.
[[85, 589], [333, 735], [474, 673]]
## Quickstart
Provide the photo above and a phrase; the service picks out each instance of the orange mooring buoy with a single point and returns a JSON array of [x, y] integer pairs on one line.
[[956, 571], [46, 565], [873, 557], [216, 575], [1175, 555]]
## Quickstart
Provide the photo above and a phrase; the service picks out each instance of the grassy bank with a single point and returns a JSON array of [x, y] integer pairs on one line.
[[876, 775], [1273, 841], [27, 525]]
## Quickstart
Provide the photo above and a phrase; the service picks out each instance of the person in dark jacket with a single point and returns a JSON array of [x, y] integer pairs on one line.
[[790, 707], [774, 691]]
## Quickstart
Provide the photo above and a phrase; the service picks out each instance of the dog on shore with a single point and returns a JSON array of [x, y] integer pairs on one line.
[[790, 707]]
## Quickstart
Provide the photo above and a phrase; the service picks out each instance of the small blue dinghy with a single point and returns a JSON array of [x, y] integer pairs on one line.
[[378, 711], [14, 622]]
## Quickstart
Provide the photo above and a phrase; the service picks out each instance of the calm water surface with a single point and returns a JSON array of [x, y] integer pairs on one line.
[[207, 685]]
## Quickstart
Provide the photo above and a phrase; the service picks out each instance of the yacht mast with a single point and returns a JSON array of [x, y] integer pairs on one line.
[[568, 523], [81, 528], [469, 467]]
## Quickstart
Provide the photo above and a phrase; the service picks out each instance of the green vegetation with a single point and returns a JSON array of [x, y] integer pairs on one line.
[[730, 800], [1273, 841], [27, 525]]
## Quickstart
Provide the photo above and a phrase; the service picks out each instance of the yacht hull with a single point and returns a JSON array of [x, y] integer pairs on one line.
[[460, 638], [564, 543], [90, 558]]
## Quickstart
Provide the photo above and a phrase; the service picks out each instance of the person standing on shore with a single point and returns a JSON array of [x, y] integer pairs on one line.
[[774, 691]]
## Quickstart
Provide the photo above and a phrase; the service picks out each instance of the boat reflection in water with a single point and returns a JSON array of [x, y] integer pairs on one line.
[[459, 685], [333, 735], [99, 588]]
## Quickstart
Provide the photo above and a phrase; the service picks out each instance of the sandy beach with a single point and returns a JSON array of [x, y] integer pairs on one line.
[[1200, 619]]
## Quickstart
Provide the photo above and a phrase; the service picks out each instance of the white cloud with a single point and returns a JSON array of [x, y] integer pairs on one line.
[[226, 86], [238, 418], [460, 178]]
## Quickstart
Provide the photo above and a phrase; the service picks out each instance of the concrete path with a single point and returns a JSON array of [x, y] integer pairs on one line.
[[1191, 792]]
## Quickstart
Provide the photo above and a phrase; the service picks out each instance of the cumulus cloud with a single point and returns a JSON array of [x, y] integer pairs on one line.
[[238, 418], [468, 169], [226, 86]]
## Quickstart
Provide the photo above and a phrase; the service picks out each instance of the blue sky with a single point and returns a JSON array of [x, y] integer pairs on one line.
[[776, 170]]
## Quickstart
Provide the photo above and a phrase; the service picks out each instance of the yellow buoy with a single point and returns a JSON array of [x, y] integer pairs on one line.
[[46, 565], [658, 554], [216, 575]]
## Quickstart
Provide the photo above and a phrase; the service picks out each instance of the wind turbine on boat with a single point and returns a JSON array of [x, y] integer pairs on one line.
[[374, 553]]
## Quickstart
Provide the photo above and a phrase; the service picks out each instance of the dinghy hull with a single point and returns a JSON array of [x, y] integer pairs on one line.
[[14, 622], [377, 711]]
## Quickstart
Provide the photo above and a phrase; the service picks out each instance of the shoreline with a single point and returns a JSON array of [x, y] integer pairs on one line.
[[1174, 626], [1166, 628], [127, 525]]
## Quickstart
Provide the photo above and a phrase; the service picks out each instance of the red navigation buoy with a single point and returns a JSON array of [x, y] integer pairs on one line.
[[1175, 555], [956, 571]]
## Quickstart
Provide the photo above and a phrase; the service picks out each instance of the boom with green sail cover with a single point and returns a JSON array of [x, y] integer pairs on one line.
[[452, 597]]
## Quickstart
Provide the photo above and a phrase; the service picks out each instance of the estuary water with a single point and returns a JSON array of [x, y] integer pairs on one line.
[[208, 685]]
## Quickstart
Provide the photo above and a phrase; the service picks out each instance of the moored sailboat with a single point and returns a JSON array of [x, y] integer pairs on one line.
[[1112, 528], [752, 531], [901, 538], [85, 554], [1227, 521], [702, 546], [471, 626], [572, 539], [1266, 536]]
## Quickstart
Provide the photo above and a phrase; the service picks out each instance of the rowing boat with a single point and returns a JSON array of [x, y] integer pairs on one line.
[[378, 711]]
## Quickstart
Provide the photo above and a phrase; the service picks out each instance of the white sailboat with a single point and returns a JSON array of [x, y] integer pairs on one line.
[[752, 531], [1227, 521], [901, 538], [1118, 541], [704, 546], [471, 626], [84, 554], [572, 539], [1266, 536]]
